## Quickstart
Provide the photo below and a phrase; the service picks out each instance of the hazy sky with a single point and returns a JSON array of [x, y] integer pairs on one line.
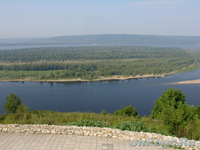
[[43, 18]]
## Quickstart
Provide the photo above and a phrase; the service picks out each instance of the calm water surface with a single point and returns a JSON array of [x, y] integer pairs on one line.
[[95, 96]]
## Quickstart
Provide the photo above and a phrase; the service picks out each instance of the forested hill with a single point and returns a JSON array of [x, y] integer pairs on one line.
[[108, 39], [126, 39]]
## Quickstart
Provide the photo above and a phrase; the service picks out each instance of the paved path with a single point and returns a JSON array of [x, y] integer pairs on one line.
[[15, 141]]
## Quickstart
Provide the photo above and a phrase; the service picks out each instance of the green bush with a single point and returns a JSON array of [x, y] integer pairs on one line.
[[89, 123], [103, 112], [132, 126], [192, 130], [197, 109], [22, 108], [173, 110], [126, 111]]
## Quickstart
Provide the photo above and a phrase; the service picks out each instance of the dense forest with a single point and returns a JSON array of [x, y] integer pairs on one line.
[[91, 62]]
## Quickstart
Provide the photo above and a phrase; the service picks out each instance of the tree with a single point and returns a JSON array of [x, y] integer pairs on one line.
[[126, 111], [198, 111], [14, 104], [173, 110]]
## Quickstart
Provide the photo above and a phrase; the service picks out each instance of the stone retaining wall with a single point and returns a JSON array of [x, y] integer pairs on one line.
[[91, 131]]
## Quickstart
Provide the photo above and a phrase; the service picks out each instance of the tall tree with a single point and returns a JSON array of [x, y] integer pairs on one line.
[[173, 110], [14, 104]]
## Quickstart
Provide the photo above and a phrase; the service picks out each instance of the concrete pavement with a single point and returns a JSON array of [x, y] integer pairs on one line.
[[20, 141]]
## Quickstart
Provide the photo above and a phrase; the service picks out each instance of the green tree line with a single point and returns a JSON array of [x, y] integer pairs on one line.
[[88, 53]]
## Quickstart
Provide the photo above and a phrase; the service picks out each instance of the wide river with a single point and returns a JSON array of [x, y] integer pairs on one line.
[[95, 96]]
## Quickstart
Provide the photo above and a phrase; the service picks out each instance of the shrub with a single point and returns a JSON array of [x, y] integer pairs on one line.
[[134, 126], [89, 123], [126, 111], [197, 109], [173, 110], [103, 112]]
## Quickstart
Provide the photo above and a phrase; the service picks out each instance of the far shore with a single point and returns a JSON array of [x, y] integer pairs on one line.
[[187, 82], [116, 77]]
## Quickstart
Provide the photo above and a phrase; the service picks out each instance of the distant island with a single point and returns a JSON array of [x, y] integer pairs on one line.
[[62, 64]]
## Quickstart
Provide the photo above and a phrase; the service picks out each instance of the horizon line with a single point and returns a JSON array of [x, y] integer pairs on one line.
[[99, 35]]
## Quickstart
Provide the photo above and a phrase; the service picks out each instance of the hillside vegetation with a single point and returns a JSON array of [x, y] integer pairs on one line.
[[171, 115]]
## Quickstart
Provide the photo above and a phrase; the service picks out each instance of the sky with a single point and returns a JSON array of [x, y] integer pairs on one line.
[[47, 18]]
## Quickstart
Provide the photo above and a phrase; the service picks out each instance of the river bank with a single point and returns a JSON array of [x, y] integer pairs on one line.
[[188, 82], [116, 77]]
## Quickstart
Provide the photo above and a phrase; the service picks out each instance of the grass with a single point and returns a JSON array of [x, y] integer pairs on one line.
[[85, 119], [137, 123]]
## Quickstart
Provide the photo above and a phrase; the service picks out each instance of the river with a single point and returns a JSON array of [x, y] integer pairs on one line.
[[95, 96]]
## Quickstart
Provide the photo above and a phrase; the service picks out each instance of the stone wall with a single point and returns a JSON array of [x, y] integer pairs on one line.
[[90, 131]]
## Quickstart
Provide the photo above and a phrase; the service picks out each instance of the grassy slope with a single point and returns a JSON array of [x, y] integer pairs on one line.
[[82, 119], [140, 124]]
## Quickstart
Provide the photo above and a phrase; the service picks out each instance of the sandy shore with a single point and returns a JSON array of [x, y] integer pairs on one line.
[[188, 82], [82, 80]]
